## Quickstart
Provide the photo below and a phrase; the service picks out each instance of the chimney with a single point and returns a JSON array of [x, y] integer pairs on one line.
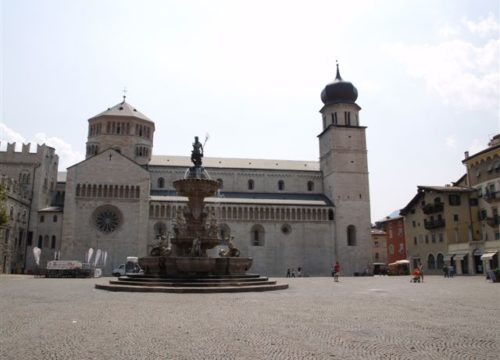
[[466, 154]]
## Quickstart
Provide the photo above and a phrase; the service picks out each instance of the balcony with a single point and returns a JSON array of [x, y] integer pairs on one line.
[[433, 208], [434, 224], [492, 196], [493, 221]]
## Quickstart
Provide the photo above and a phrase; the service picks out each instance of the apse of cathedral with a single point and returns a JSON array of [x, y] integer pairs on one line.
[[284, 214]]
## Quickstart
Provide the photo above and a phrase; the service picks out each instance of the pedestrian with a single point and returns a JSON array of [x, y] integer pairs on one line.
[[445, 270], [421, 269], [288, 272], [336, 269], [293, 273], [299, 272]]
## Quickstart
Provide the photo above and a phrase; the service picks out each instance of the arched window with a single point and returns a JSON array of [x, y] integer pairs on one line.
[[351, 235], [46, 241], [310, 186], [160, 229], [440, 261], [221, 184], [53, 242], [161, 183], [251, 184], [257, 235], [281, 185], [40, 241], [431, 262], [331, 216]]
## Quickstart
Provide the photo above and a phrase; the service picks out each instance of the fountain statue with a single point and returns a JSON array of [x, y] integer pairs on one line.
[[195, 231]]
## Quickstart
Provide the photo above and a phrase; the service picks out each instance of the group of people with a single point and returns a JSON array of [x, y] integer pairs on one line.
[[448, 271], [293, 273]]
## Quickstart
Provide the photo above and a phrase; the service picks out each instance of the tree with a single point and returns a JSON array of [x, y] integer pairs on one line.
[[3, 211]]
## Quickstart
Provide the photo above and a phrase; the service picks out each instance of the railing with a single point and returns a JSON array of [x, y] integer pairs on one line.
[[434, 224], [493, 221], [433, 208], [492, 196]]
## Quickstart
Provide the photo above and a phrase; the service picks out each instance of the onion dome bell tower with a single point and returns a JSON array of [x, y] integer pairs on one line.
[[124, 129], [344, 167]]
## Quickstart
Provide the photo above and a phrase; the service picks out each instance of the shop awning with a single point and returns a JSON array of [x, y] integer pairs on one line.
[[488, 256]]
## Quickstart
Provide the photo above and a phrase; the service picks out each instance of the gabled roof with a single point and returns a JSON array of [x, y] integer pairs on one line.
[[423, 188], [104, 151], [234, 163], [122, 109]]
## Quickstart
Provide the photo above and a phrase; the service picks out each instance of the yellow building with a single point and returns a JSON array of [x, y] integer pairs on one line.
[[440, 228], [483, 174], [379, 250]]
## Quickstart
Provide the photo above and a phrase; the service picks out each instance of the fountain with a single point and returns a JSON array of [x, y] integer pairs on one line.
[[180, 263]]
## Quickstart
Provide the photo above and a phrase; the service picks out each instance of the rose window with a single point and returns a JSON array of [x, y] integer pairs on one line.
[[107, 219]]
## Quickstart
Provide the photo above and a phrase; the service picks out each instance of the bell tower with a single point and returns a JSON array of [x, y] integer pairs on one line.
[[344, 167], [124, 129]]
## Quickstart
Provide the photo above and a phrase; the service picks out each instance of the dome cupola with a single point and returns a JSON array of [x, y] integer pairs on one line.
[[339, 91]]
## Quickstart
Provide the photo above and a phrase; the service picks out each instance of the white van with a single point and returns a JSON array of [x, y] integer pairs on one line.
[[131, 266]]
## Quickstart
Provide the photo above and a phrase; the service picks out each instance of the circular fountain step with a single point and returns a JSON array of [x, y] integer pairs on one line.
[[198, 285]]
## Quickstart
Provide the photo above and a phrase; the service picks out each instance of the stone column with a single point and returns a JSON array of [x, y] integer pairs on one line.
[[458, 267]]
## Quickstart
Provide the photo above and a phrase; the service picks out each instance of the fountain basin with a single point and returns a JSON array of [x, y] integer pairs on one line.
[[195, 264], [232, 265]]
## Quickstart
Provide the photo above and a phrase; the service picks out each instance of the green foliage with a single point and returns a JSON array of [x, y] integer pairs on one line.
[[3, 211]]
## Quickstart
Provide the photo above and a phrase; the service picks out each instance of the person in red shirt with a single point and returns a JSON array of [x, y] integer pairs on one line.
[[336, 270]]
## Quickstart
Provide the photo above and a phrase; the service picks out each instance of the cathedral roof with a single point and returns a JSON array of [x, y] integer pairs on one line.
[[234, 163], [123, 109]]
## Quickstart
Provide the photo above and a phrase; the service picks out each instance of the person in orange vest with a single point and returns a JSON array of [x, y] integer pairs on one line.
[[415, 275]]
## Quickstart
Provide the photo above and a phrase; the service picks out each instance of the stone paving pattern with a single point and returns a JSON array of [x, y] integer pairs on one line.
[[357, 318]]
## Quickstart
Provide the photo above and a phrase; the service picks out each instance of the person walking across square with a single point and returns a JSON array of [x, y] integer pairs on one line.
[[336, 270]]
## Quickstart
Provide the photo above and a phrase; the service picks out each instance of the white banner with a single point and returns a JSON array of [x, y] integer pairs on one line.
[[36, 253], [97, 257], [89, 254]]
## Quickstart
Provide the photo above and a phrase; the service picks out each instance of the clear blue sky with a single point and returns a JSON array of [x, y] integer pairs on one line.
[[250, 74]]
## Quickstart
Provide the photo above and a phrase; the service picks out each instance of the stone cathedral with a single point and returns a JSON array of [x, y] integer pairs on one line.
[[282, 213]]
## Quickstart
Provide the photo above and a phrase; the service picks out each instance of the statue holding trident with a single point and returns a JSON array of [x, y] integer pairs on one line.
[[197, 153]]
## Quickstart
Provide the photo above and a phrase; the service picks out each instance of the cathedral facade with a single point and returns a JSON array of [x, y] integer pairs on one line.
[[282, 213]]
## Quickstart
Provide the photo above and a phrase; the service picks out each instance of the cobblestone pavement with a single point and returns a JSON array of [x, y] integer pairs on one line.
[[357, 318]]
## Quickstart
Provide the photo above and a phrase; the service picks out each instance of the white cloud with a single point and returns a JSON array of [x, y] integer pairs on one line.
[[7, 135], [451, 141], [459, 72], [448, 31], [67, 156], [484, 27]]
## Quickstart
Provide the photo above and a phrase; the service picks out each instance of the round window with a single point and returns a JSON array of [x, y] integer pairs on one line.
[[286, 229], [107, 218]]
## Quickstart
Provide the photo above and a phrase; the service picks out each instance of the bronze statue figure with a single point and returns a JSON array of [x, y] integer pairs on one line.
[[197, 153]]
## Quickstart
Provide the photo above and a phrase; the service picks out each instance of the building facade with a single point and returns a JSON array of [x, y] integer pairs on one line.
[[483, 174], [282, 213], [30, 179], [395, 234]]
